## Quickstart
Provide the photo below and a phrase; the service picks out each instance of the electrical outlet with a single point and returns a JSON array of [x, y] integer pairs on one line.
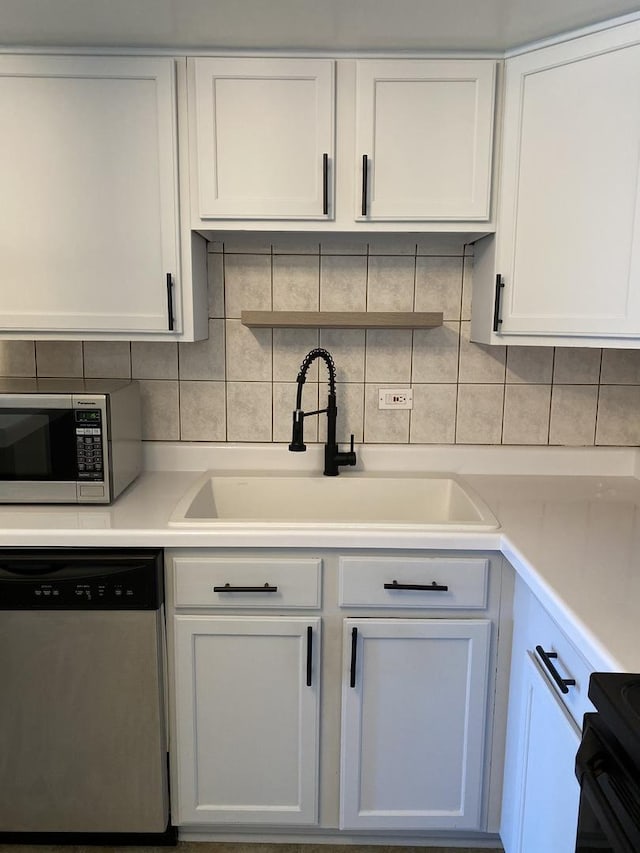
[[395, 398]]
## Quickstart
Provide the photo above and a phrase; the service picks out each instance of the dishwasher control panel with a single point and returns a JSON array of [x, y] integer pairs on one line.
[[67, 582]]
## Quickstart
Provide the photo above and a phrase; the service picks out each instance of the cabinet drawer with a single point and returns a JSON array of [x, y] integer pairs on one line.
[[542, 631], [226, 582], [389, 582]]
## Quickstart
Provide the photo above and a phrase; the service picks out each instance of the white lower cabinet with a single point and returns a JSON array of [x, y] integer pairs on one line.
[[247, 692], [413, 723], [405, 708], [541, 793], [547, 790]]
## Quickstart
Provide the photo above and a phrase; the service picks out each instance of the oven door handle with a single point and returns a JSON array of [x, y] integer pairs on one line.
[[591, 787]]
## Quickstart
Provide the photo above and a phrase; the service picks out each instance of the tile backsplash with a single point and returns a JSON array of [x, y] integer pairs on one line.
[[239, 385]]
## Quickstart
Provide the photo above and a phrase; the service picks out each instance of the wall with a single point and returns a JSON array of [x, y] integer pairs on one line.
[[240, 384]]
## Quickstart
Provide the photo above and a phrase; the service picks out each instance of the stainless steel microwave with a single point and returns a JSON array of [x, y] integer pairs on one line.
[[68, 441]]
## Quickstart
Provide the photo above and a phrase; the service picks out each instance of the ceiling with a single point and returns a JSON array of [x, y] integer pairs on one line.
[[491, 25]]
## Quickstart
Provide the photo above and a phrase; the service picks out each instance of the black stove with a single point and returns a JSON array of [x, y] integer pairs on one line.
[[608, 767]]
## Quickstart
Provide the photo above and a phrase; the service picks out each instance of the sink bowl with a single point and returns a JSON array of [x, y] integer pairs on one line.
[[351, 499]]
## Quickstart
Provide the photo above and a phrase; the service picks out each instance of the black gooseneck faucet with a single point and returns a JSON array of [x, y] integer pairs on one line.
[[333, 457]]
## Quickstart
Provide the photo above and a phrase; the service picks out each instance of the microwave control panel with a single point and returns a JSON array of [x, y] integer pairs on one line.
[[89, 444]]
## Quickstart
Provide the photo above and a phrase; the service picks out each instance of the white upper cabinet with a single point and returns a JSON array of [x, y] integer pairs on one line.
[[274, 139], [262, 137], [424, 136], [89, 238], [567, 247]]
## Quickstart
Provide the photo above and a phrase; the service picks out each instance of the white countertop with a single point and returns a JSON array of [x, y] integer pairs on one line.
[[573, 537]]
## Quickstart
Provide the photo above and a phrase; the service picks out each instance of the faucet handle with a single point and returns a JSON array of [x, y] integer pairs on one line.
[[352, 442]]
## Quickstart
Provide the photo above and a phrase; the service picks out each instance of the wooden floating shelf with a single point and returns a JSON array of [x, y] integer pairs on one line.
[[342, 319]]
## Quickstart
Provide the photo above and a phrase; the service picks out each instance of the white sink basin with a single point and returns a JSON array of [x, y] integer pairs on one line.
[[303, 499]]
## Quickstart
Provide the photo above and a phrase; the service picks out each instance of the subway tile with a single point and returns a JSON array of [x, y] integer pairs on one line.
[[439, 286], [620, 367], [204, 359], [577, 365], [249, 411], [392, 244], [526, 414], [388, 355], [202, 411], [343, 283], [246, 242], [479, 362], [433, 417], [160, 409], [573, 414], [247, 284], [296, 283], [343, 244], [284, 402], [59, 358], [383, 426], [17, 358], [295, 244], [441, 244], [391, 283], [618, 419], [347, 348], [290, 346], [249, 353], [479, 414], [107, 359], [530, 365], [154, 360], [435, 354], [215, 284]]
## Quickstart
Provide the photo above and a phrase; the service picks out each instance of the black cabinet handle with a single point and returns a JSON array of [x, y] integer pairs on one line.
[[309, 654], [431, 587], [228, 588], [563, 683], [497, 322], [170, 301], [365, 180], [354, 650], [325, 184]]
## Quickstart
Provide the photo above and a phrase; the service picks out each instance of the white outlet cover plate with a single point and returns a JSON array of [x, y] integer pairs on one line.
[[395, 398]]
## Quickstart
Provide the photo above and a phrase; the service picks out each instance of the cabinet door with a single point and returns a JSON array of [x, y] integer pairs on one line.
[[261, 129], [426, 127], [568, 222], [88, 176], [540, 781], [413, 723], [247, 691]]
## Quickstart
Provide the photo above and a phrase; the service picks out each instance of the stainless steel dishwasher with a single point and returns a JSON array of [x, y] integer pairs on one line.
[[83, 735]]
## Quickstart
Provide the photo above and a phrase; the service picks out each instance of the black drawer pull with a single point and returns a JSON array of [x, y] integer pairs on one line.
[[563, 683], [497, 321], [325, 184], [228, 588], [430, 587], [354, 649], [170, 317], [309, 654], [365, 181]]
